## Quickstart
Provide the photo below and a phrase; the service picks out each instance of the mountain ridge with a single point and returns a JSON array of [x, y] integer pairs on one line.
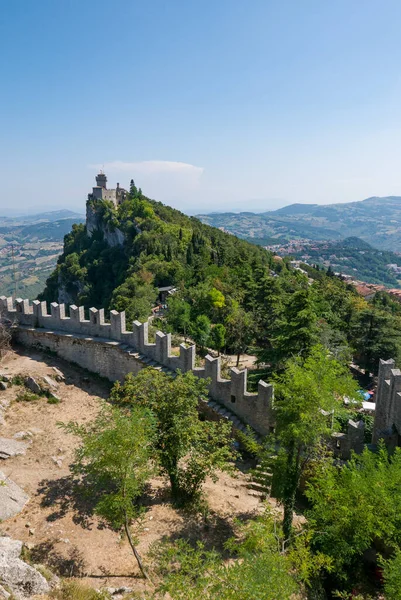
[[376, 220]]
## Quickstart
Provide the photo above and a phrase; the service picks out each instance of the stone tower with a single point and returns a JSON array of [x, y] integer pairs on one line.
[[101, 180]]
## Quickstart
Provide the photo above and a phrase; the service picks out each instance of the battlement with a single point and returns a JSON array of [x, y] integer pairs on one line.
[[343, 443], [253, 409], [388, 402]]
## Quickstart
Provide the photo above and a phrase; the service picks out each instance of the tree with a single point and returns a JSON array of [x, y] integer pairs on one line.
[[293, 332], [357, 506], [179, 315], [376, 334], [200, 330], [136, 297], [218, 337], [392, 576], [133, 190], [114, 461], [308, 387], [240, 330], [257, 569], [189, 450], [191, 573]]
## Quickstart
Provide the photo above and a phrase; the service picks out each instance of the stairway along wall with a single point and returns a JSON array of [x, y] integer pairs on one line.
[[111, 350]]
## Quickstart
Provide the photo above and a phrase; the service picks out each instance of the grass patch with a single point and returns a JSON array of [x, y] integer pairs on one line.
[[17, 380], [47, 574], [53, 399], [27, 396], [72, 590]]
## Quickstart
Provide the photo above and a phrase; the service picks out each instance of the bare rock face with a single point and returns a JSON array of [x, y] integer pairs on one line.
[[58, 374], [33, 385], [4, 595], [10, 447], [50, 383], [12, 498], [20, 578], [113, 236]]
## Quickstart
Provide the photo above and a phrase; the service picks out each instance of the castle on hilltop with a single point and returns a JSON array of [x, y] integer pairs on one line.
[[100, 191]]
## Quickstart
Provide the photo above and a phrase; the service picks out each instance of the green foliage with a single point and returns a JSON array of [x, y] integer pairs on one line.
[[260, 565], [73, 590], [263, 303], [200, 330], [240, 330], [218, 337], [189, 450], [27, 396], [179, 315], [113, 460], [136, 297], [355, 507], [292, 329], [377, 334], [305, 394], [392, 576], [114, 457], [190, 573], [162, 247]]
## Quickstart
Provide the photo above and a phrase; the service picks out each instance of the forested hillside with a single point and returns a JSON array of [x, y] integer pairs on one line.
[[354, 257], [230, 294], [375, 220]]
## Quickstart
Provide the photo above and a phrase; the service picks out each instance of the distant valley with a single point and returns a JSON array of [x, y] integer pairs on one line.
[[375, 220], [29, 248]]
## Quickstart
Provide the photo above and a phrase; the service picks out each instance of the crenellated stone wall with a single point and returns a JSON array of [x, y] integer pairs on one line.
[[111, 350], [343, 443], [387, 423]]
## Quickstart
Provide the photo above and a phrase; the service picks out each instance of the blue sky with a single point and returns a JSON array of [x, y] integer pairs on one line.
[[209, 105]]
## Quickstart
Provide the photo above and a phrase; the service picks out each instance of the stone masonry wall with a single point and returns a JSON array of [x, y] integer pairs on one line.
[[111, 350], [387, 423], [102, 357]]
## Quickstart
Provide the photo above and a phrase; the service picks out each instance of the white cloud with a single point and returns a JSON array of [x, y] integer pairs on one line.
[[150, 167]]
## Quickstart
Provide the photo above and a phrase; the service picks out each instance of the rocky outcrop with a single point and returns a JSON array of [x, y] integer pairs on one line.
[[12, 498], [69, 297], [114, 237], [10, 448], [21, 579]]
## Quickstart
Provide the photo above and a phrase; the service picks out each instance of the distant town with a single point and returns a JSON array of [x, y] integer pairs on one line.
[[312, 253]]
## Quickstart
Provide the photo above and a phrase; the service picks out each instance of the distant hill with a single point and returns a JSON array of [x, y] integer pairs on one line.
[[36, 241], [375, 220], [354, 257], [42, 230], [51, 216]]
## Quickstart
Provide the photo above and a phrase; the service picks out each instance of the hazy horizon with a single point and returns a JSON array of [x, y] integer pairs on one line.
[[4, 212]]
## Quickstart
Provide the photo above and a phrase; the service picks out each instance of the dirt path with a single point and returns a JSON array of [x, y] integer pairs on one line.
[[54, 524]]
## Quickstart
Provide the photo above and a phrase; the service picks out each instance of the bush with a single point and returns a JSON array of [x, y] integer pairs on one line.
[[73, 590], [27, 396]]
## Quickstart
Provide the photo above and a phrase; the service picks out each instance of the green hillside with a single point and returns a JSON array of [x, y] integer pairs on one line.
[[228, 294]]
